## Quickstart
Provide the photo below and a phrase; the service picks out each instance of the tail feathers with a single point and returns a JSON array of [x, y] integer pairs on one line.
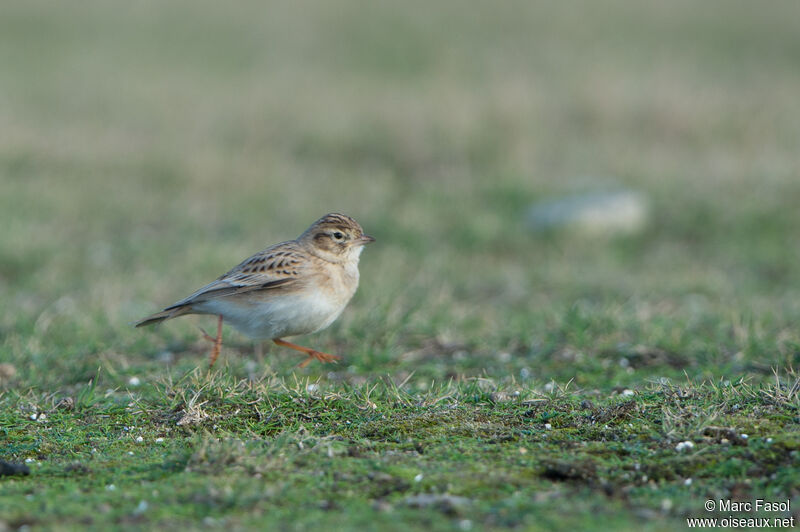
[[166, 314]]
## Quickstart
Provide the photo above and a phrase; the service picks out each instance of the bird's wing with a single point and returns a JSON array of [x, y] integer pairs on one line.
[[278, 266]]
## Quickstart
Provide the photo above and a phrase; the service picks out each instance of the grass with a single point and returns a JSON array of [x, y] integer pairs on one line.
[[493, 378], [211, 450]]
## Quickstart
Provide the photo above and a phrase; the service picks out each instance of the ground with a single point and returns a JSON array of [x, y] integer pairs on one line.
[[493, 377]]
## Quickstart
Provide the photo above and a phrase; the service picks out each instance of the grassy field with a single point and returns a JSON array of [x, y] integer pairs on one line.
[[494, 378]]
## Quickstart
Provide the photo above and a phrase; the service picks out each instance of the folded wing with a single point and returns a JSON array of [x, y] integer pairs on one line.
[[275, 267]]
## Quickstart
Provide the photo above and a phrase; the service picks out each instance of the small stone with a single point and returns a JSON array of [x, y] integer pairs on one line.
[[134, 381], [687, 482], [139, 439], [592, 214], [684, 446], [548, 426], [627, 393], [141, 508], [418, 477]]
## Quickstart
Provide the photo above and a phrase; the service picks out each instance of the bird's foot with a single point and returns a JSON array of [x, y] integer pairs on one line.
[[325, 358]]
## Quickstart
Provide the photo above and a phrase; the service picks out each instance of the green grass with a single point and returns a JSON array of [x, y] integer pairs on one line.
[[146, 148], [219, 451]]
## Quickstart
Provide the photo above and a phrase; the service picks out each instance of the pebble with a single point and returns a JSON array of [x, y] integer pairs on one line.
[[595, 213], [141, 508]]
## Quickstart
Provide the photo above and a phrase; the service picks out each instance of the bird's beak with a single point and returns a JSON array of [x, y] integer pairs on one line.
[[365, 239]]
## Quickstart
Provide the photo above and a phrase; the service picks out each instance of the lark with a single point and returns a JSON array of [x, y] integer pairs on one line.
[[289, 289]]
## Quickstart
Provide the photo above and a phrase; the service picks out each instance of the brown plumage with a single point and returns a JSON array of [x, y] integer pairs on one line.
[[295, 287]]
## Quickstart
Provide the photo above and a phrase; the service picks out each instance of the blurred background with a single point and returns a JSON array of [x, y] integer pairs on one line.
[[605, 192]]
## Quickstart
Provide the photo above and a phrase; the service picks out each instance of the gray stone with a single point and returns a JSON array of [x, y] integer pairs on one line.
[[594, 214]]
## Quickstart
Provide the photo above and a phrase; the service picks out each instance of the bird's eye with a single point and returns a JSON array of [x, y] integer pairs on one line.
[[338, 235]]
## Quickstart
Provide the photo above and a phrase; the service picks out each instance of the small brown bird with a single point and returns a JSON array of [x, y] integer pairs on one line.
[[292, 288]]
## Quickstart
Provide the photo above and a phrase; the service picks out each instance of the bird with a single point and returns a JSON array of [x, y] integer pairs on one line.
[[289, 289]]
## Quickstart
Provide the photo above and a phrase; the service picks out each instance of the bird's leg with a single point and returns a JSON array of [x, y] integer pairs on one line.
[[312, 353], [212, 357], [259, 351], [205, 336]]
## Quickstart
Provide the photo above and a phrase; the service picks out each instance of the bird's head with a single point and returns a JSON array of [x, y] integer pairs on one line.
[[335, 237]]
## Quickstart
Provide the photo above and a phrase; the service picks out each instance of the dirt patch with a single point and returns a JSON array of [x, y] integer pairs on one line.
[[9, 469], [616, 413], [564, 471], [645, 356]]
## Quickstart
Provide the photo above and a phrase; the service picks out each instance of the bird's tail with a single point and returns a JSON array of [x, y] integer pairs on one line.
[[166, 314]]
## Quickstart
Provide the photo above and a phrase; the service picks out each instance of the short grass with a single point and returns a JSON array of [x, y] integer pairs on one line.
[[493, 377]]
